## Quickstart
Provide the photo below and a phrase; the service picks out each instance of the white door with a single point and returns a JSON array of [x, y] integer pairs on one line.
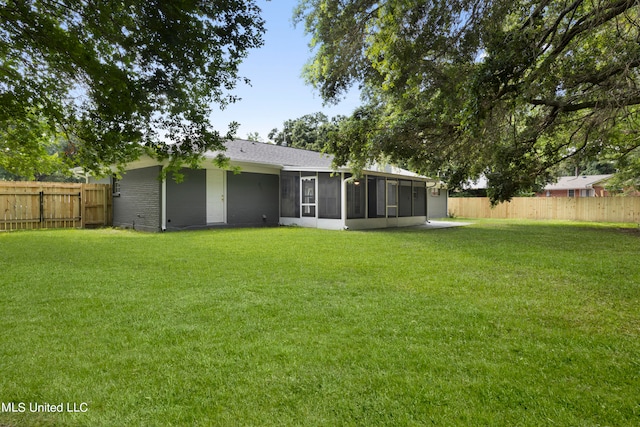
[[308, 201], [215, 196], [392, 203]]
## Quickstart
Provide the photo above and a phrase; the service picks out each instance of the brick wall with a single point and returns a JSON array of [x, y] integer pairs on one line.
[[139, 201]]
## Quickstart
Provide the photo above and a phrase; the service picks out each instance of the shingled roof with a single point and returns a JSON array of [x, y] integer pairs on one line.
[[577, 182], [243, 151], [270, 154]]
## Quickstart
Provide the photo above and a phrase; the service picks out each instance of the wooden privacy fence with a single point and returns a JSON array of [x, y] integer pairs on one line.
[[33, 205], [596, 209]]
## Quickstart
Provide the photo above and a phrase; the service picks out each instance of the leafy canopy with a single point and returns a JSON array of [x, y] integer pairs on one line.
[[117, 79], [28, 149], [309, 132], [460, 88]]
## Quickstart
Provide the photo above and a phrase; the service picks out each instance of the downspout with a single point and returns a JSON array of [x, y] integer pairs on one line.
[[426, 198], [343, 204], [163, 205]]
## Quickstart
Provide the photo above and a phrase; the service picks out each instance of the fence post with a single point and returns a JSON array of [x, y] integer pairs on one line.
[[82, 207], [105, 200], [41, 206]]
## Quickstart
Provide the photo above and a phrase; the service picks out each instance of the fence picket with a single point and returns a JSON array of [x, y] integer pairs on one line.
[[596, 209], [33, 205]]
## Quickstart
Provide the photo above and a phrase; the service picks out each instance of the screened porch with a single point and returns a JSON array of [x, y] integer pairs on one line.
[[338, 201]]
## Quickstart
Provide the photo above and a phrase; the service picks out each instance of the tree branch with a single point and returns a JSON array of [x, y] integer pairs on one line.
[[554, 28], [595, 19], [536, 13], [597, 104], [605, 74]]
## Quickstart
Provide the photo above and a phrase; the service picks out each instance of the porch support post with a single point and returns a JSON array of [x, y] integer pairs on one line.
[[163, 205]]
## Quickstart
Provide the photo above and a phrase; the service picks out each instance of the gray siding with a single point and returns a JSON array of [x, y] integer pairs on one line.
[[187, 200], [250, 196], [437, 205], [138, 205]]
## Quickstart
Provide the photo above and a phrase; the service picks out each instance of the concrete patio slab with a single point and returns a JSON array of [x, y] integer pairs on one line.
[[442, 224]]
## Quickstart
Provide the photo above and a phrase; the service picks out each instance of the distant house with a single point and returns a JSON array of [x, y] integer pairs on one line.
[[577, 186], [276, 185], [472, 188]]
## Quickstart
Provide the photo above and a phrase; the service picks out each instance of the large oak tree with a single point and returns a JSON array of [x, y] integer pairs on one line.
[[310, 132], [119, 78], [460, 88]]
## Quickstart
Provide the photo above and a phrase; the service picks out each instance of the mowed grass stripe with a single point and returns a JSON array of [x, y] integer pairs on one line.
[[499, 323]]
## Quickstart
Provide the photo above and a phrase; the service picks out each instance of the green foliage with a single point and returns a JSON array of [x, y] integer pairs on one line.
[[628, 179], [118, 79], [498, 88], [254, 136], [577, 166], [501, 323], [29, 150], [353, 141], [310, 132]]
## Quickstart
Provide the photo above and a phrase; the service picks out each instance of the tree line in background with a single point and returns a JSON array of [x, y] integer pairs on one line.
[[515, 91], [310, 132]]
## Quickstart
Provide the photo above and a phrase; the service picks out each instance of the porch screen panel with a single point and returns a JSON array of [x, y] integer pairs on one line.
[[419, 199], [381, 188], [404, 198], [377, 194], [329, 199], [290, 194], [356, 199], [372, 197]]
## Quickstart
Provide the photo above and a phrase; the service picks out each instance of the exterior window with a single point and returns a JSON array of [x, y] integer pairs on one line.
[[290, 194], [435, 192], [116, 187], [586, 193], [329, 198], [571, 193]]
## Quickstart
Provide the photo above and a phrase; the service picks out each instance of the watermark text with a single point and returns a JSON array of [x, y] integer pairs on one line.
[[40, 407]]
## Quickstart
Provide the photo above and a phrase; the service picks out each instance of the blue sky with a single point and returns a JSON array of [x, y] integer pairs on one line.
[[278, 91]]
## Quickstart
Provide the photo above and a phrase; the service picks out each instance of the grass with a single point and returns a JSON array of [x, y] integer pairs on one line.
[[498, 323]]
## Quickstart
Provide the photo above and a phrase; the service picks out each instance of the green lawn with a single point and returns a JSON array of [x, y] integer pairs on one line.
[[497, 323]]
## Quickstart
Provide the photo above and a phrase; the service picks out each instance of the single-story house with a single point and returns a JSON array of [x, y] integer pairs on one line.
[[577, 186], [276, 185]]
